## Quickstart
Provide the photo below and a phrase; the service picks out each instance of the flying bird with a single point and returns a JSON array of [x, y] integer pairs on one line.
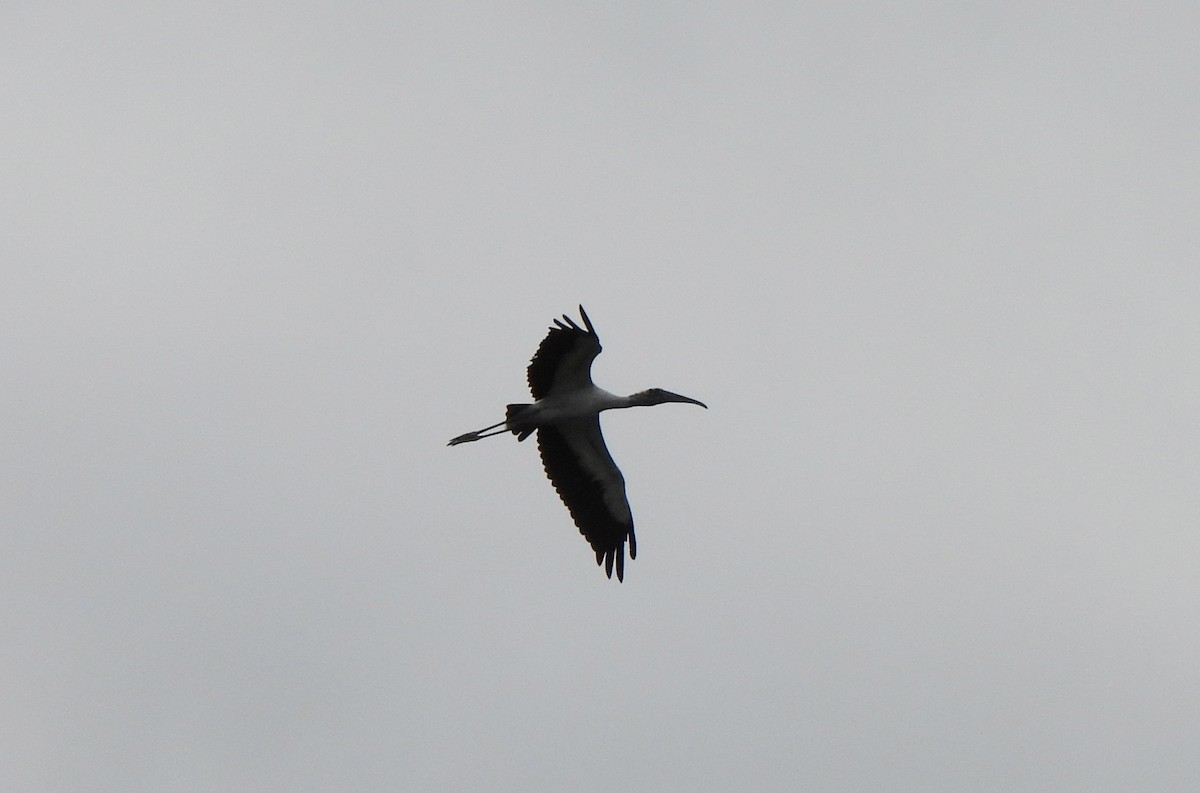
[[566, 416]]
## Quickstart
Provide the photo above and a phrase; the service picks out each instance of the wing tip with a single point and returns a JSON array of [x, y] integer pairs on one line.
[[614, 559], [587, 322], [566, 323]]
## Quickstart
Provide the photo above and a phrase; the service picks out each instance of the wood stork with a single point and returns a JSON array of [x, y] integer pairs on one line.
[[566, 416]]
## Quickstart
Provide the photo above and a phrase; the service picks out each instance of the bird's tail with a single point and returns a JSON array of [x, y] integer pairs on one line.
[[512, 420]]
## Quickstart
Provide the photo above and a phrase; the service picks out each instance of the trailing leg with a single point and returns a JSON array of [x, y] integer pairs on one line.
[[477, 434]]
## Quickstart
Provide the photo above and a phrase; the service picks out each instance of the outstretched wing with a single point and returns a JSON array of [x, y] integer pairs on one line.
[[592, 488], [563, 361]]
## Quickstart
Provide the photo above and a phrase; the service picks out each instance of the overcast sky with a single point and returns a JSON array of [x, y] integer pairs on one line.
[[932, 266]]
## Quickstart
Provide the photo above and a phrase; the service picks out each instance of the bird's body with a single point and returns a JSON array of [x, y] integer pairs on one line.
[[578, 404], [565, 415]]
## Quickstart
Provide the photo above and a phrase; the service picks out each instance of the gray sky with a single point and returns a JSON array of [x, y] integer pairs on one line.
[[933, 267]]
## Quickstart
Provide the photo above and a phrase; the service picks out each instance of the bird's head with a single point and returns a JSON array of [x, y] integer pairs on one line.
[[657, 396]]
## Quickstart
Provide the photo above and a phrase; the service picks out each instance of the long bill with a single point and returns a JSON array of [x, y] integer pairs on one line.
[[669, 397]]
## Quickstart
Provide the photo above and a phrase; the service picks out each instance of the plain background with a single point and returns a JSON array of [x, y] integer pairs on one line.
[[931, 265]]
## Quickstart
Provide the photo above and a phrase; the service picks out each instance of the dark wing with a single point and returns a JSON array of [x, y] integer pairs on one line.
[[563, 361], [591, 486]]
